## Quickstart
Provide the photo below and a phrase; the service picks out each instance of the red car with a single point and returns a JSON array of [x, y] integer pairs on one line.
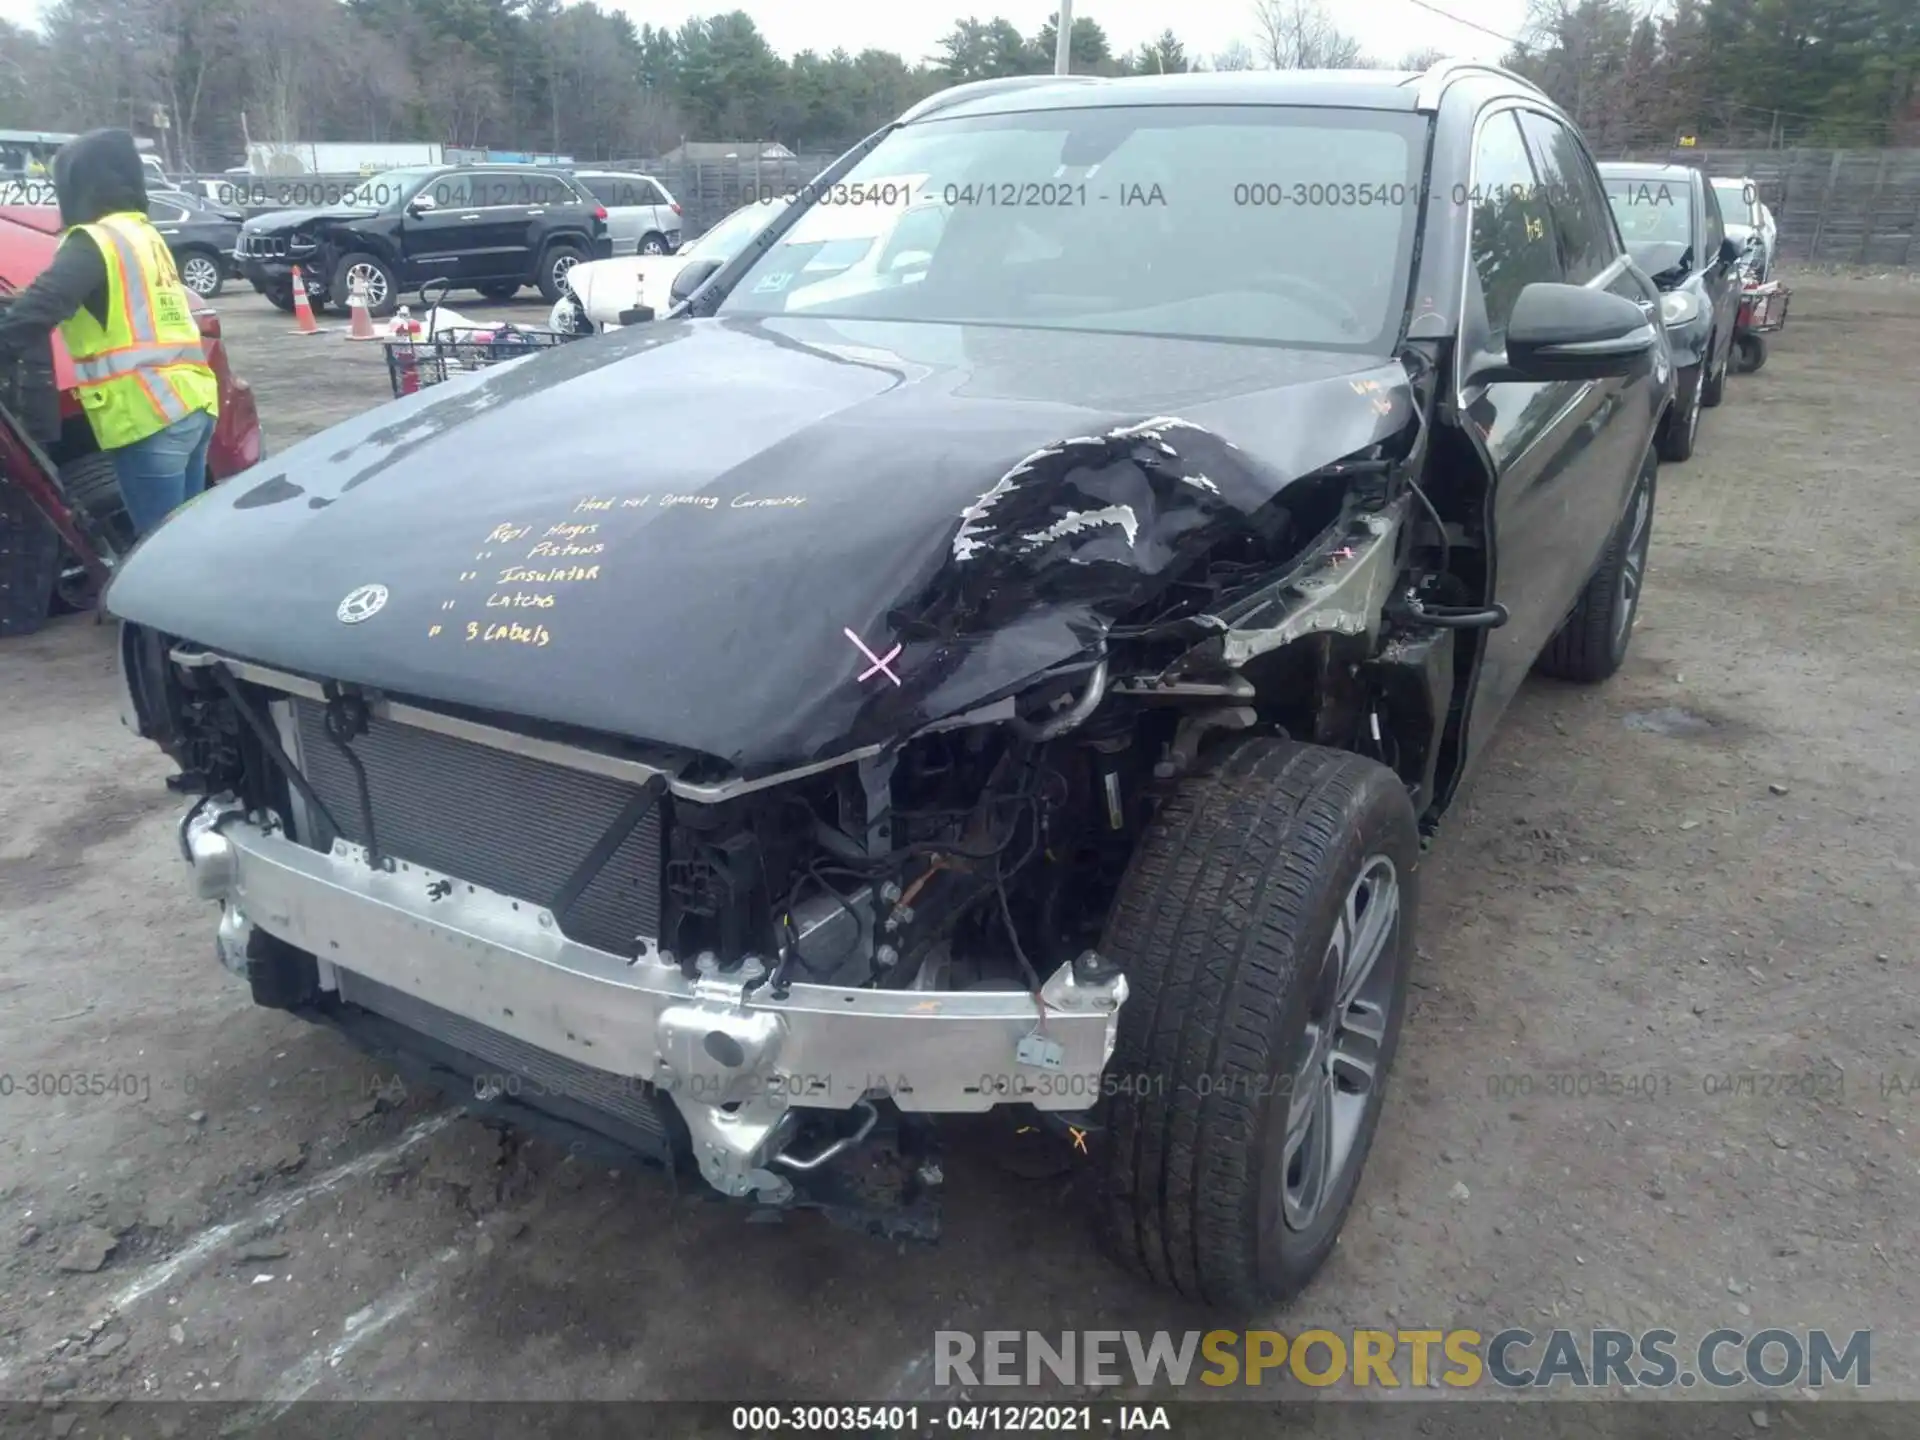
[[42, 574]]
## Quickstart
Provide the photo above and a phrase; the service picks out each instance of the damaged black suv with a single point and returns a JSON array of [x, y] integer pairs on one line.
[[996, 646], [494, 229]]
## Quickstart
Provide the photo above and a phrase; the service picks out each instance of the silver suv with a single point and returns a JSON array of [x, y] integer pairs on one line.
[[642, 216]]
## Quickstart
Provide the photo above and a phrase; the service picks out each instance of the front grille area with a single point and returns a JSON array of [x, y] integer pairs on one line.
[[545, 1076], [263, 247], [504, 821]]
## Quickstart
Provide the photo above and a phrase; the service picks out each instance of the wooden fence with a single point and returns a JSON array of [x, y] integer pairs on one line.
[[1858, 207]]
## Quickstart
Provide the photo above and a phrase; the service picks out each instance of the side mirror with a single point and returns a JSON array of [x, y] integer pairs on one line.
[[422, 205], [1729, 253], [690, 278], [1568, 332]]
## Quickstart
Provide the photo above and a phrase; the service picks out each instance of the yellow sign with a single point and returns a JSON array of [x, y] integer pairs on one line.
[[1688, 141]]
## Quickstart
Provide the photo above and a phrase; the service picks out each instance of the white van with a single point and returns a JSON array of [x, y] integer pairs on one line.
[[642, 216]]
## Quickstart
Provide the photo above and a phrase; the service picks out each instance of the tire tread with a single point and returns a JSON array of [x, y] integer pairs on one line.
[[1208, 928]]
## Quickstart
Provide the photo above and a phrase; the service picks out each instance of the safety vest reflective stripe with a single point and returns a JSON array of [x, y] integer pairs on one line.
[[165, 399], [137, 357], [133, 289]]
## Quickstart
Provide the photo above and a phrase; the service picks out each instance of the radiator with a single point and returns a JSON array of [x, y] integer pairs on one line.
[[493, 818]]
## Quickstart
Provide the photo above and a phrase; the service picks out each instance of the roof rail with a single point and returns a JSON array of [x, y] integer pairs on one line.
[[974, 89], [1433, 83]]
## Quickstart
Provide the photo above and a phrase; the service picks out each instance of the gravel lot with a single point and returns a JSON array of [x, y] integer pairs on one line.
[[1700, 881]]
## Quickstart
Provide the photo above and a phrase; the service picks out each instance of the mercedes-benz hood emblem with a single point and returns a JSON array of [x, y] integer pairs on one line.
[[362, 604]]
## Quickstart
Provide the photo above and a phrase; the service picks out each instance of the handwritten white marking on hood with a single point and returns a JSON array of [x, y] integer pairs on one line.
[[1152, 428], [1201, 482]]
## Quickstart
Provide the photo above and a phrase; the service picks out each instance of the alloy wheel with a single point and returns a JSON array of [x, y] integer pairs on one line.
[[1347, 1022], [200, 275], [1633, 564], [562, 266], [373, 283], [653, 245]]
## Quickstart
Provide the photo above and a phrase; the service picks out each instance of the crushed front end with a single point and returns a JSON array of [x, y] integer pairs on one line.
[[774, 982]]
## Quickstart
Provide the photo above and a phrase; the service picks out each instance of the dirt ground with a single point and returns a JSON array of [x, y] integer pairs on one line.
[[1660, 1069]]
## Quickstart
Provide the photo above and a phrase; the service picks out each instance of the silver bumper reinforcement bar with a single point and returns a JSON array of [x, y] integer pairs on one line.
[[736, 1062]]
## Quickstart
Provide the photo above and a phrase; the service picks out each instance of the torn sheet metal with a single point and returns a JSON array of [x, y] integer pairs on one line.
[[668, 534], [1339, 590]]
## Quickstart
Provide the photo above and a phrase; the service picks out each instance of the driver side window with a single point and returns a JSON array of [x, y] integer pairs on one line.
[[449, 190], [1514, 244]]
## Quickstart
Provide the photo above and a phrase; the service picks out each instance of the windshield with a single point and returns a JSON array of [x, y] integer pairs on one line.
[[1736, 199], [1289, 225], [1651, 211], [388, 190], [724, 240]]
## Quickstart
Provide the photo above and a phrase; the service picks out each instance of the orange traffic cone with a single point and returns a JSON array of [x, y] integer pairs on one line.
[[302, 311], [362, 316]]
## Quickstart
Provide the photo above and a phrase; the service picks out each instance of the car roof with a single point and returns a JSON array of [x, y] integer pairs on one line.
[[1385, 90], [1351, 89], [1646, 170], [611, 174]]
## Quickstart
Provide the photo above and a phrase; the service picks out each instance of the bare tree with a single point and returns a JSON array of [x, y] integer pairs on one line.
[[1425, 58], [1301, 35], [1236, 56], [299, 55]]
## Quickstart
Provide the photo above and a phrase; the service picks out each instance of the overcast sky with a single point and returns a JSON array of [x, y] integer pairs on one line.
[[1386, 28]]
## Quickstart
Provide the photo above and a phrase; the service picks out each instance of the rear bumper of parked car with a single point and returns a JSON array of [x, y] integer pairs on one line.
[[634, 1044]]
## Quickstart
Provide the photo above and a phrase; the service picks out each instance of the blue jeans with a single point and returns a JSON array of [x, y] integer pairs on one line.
[[162, 472]]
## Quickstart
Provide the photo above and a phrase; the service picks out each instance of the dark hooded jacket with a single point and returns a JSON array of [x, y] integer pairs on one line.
[[94, 174]]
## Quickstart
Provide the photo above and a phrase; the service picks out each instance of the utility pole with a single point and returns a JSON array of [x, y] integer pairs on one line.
[[1063, 41]]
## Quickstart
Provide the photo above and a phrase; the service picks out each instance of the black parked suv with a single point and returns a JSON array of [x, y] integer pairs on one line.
[[492, 229], [1017, 674], [1674, 230]]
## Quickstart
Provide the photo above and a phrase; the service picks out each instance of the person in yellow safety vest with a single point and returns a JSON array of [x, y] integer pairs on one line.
[[114, 295]]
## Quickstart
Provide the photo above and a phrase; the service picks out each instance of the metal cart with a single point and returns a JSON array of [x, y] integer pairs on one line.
[[1763, 310]]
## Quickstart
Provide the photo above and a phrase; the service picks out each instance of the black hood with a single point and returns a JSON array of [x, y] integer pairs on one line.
[[98, 173], [271, 222], [691, 532]]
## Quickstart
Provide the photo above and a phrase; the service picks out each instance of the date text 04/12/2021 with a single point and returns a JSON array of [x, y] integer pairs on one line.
[[961, 1419]]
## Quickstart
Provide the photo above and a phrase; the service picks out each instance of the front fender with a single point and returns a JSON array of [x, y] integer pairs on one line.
[[1689, 342]]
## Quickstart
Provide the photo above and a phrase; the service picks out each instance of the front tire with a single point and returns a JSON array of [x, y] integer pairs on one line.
[[1682, 425], [1265, 926], [1591, 644], [653, 244], [383, 286]]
